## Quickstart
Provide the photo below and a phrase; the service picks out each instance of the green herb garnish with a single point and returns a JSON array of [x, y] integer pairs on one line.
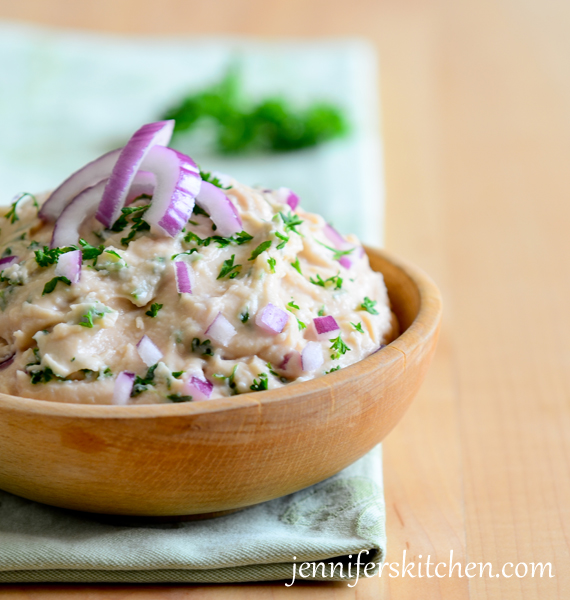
[[239, 239], [369, 305], [296, 265], [89, 252], [207, 176], [335, 280], [337, 254], [177, 374], [321, 312], [244, 316], [47, 256], [12, 214], [179, 398], [282, 237], [262, 384], [154, 308], [50, 285], [339, 348], [86, 320], [204, 348], [43, 376], [271, 262], [261, 248], [228, 268], [142, 383], [291, 222], [333, 369], [357, 326]]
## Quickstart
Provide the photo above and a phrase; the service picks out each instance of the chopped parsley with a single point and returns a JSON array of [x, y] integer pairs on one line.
[[297, 266], [43, 376], [179, 398], [46, 256], [89, 252], [204, 348], [154, 308], [333, 369], [339, 348], [7, 252], [50, 285], [244, 316], [143, 383], [177, 374], [181, 253], [335, 280], [268, 365], [369, 305], [86, 320], [357, 326], [292, 305], [198, 210], [337, 254], [321, 312], [300, 324], [284, 239], [12, 214], [291, 221], [229, 269], [261, 248], [136, 214], [271, 262], [230, 380], [239, 238], [262, 384], [207, 176]]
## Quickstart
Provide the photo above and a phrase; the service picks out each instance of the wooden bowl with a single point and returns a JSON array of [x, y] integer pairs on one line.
[[224, 454]]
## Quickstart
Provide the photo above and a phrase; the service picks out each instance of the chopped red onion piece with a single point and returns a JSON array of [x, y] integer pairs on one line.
[[123, 387], [312, 356], [221, 330], [84, 205], [127, 165], [272, 319], [199, 389], [148, 351], [69, 265], [324, 326], [6, 362], [220, 208], [287, 196], [335, 237], [182, 274], [8, 261], [89, 175], [177, 183], [345, 261], [291, 364]]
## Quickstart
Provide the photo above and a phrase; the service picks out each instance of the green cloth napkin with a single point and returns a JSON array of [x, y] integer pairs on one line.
[[327, 522]]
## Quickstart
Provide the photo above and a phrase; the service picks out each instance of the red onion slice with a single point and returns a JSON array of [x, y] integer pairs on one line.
[[8, 261], [199, 389], [84, 206], [182, 274], [148, 351], [220, 208], [69, 265], [286, 196], [324, 326], [221, 330], [272, 319], [6, 362], [312, 356], [123, 387], [177, 183], [89, 175], [127, 165]]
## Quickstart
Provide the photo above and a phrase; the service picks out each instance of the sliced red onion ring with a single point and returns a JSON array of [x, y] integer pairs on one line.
[[312, 356], [6, 362], [143, 184], [89, 175], [220, 208], [8, 261], [182, 274], [272, 319], [221, 330], [69, 265], [148, 351], [177, 183], [286, 196], [199, 389], [123, 387], [84, 206], [324, 326], [127, 165]]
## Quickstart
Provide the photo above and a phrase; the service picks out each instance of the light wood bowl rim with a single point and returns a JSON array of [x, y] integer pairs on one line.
[[425, 324]]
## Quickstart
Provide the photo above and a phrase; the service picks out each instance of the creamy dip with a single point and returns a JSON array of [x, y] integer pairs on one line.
[[250, 322]]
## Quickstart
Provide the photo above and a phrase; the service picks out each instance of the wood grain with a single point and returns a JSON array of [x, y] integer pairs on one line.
[[259, 445], [476, 126]]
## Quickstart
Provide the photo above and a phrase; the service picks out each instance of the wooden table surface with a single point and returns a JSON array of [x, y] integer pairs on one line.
[[476, 119]]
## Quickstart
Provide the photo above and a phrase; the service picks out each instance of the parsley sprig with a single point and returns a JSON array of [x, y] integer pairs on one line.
[[335, 280], [291, 222], [262, 384], [261, 248], [229, 269], [339, 348], [51, 284], [337, 254], [154, 308], [12, 214], [369, 305]]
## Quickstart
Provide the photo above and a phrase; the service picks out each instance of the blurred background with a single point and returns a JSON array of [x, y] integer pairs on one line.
[[465, 106]]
